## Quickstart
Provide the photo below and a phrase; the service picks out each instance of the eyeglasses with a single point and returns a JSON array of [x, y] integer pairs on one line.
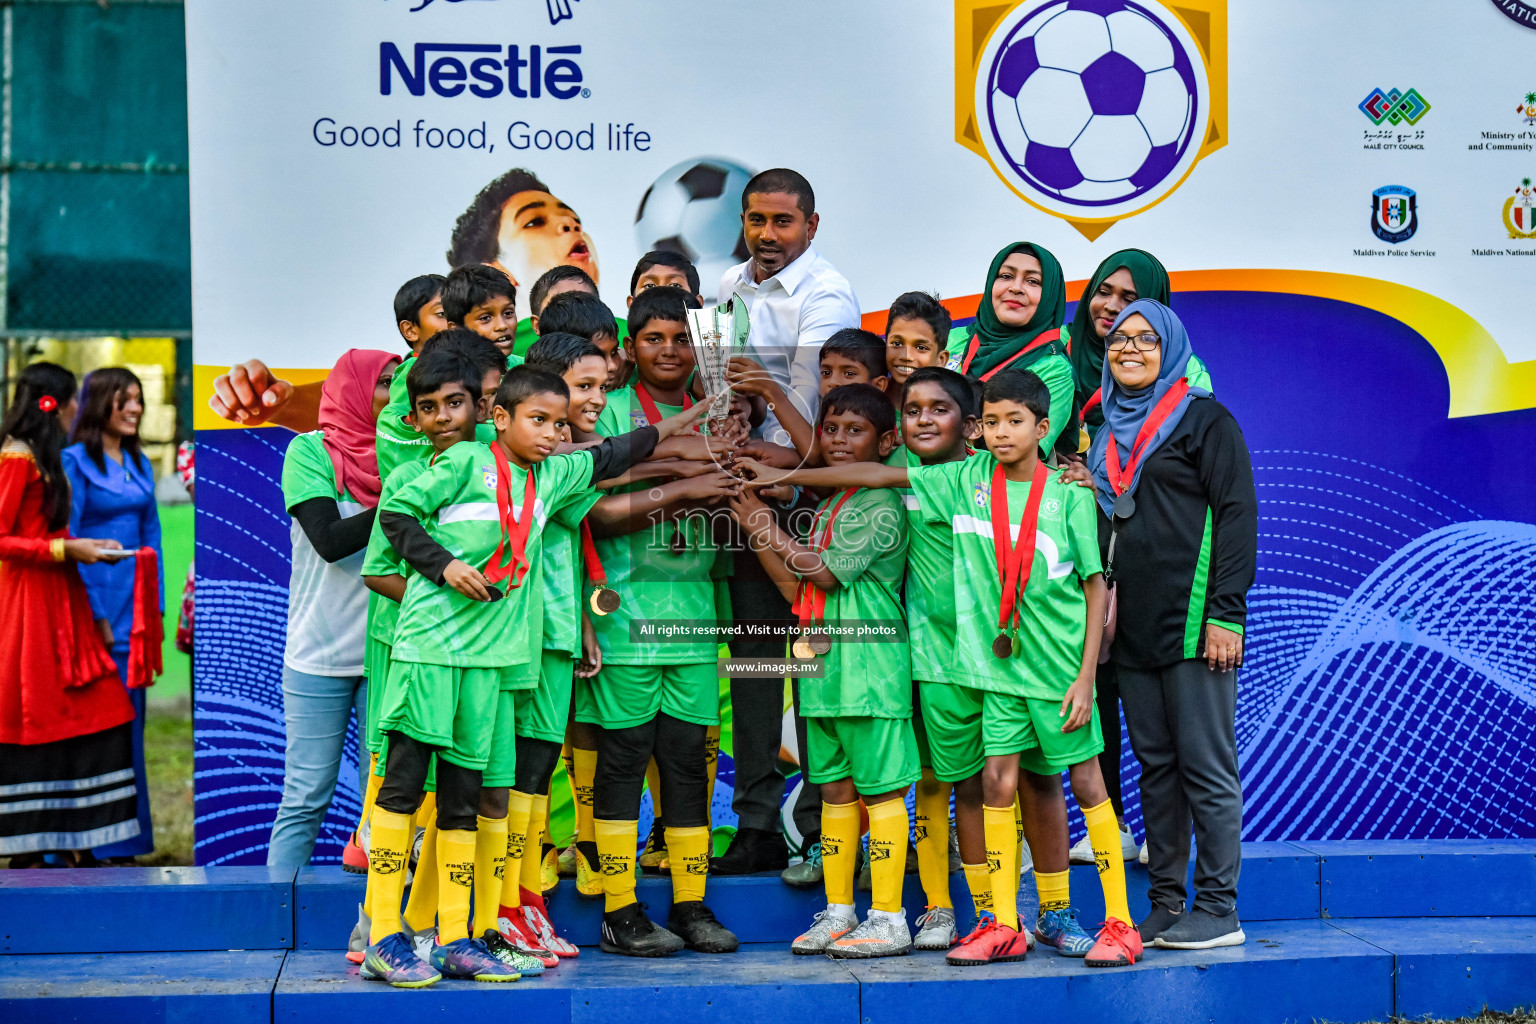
[[1143, 342]]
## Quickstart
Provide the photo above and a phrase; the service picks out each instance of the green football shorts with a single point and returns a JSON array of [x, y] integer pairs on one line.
[[621, 696], [453, 709], [543, 711], [879, 754]]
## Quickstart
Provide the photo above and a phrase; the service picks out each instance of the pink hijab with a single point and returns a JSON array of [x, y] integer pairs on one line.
[[346, 417]]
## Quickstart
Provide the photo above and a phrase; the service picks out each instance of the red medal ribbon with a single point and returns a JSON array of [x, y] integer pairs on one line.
[[1120, 478], [1093, 402], [970, 353], [514, 534], [653, 415], [1014, 563], [594, 564], [810, 600]]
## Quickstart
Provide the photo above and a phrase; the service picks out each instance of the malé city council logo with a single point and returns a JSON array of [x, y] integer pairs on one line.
[[1394, 106], [1091, 110], [1394, 213]]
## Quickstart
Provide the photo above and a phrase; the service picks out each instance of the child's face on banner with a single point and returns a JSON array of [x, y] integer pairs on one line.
[[539, 232]]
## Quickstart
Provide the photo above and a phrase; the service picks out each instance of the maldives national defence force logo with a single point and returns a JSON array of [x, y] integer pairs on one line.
[[1519, 211], [1394, 213], [1091, 110]]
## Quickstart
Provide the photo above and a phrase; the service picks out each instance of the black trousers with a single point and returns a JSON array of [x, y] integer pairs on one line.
[[1106, 690], [1182, 721], [757, 714], [622, 756]]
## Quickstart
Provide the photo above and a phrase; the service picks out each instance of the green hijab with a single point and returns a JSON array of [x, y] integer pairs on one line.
[[998, 341], [1087, 347]]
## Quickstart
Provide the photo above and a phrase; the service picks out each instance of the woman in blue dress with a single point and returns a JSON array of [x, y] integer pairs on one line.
[[112, 493]]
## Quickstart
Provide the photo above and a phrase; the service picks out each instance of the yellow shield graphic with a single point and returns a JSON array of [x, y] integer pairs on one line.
[[1091, 110]]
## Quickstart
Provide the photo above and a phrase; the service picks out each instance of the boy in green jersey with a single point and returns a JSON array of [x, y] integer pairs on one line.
[[456, 646], [419, 310], [940, 413], [568, 648], [1027, 628], [655, 699], [585, 315], [450, 393], [860, 744]]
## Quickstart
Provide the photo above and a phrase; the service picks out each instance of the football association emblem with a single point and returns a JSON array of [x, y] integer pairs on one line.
[[1092, 110], [1394, 213], [488, 476], [983, 495], [1519, 209]]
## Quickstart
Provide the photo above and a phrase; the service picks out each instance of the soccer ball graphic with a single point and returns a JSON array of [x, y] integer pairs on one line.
[[1093, 108], [694, 208]]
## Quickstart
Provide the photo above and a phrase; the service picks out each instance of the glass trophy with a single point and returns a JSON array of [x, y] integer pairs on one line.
[[718, 333]]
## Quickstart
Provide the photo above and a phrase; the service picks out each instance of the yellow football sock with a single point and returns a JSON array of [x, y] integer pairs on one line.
[[979, 880], [888, 828], [455, 879], [390, 842], [519, 811], [490, 870], [653, 783], [533, 860], [711, 762], [585, 764], [839, 850], [688, 851], [931, 821], [421, 908], [371, 791], [1018, 828], [1055, 889], [1003, 864], [616, 861], [1104, 834]]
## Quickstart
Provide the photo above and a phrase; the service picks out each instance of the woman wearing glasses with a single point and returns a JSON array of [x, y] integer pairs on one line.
[[1179, 528]]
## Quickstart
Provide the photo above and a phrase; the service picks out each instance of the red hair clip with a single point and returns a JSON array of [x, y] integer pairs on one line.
[[47, 403]]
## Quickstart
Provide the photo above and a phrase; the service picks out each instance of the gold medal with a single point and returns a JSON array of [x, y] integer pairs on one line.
[[802, 649], [604, 600]]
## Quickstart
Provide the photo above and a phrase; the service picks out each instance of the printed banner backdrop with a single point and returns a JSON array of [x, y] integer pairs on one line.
[[1346, 251]]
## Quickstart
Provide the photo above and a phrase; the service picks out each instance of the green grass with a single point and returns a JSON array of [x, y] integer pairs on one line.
[[168, 763], [176, 542]]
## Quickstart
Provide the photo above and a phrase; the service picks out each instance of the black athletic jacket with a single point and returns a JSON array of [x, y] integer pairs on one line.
[[1187, 556]]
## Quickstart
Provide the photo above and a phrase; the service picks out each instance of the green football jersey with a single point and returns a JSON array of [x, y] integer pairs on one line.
[[455, 499], [396, 441], [562, 586], [870, 674], [661, 572], [379, 558], [523, 340], [930, 585], [1048, 644]]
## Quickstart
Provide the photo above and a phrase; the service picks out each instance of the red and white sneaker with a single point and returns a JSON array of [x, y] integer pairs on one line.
[[353, 857], [511, 928], [537, 924], [1116, 945], [989, 943]]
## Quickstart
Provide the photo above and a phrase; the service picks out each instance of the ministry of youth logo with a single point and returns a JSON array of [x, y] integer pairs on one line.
[[1394, 213], [1093, 110]]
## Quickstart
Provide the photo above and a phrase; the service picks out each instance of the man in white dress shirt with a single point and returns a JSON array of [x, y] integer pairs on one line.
[[797, 300]]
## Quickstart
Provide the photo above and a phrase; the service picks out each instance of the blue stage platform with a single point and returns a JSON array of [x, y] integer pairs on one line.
[[1336, 931]]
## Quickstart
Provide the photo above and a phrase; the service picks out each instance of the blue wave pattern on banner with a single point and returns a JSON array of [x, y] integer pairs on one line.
[[243, 561]]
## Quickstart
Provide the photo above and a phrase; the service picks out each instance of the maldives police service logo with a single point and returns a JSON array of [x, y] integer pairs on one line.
[[1092, 110], [1394, 213]]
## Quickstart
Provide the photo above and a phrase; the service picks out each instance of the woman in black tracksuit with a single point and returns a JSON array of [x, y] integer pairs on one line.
[[1179, 529]]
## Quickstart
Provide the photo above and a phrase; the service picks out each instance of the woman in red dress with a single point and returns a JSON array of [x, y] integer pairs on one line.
[[66, 746]]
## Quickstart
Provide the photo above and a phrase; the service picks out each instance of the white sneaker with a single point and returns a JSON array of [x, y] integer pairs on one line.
[[1026, 859], [422, 941], [1081, 852], [357, 942], [936, 929], [883, 933], [833, 923], [1141, 858], [1128, 848]]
